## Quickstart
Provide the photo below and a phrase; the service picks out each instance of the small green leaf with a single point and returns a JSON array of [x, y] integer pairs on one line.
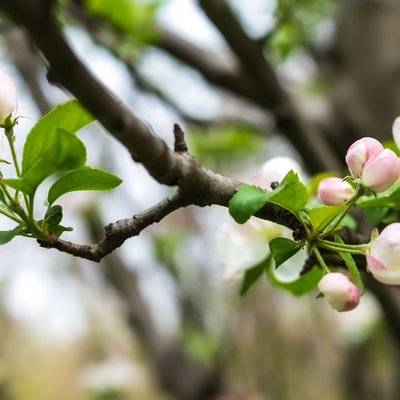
[[6, 236], [252, 275], [69, 116], [304, 284], [321, 214], [53, 216], [352, 267], [282, 249], [83, 179], [290, 194], [246, 202], [58, 230], [389, 198]]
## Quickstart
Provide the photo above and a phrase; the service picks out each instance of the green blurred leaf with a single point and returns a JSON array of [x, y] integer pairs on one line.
[[7, 236], [225, 145], [201, 346], [282, 249], [391, 145], [375, 215], [297, 22], [83, 179], [389, 198], [252, 275], [53, 215], [132, 17]]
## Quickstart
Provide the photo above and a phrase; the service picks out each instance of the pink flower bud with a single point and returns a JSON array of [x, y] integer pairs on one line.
[[334, 191], [382, 171], [383, 259], [339, 291], [360, 152], [8, 97]]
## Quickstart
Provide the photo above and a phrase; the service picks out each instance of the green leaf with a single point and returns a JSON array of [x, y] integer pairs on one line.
[[389, 198], [58, 230], [282, 249], [20, 184], [64, 152], [252, 275], [69, 116], [83, 179], [290, 194], [304, 284], [246, 202], [53, 216], [6, 236], [351, 265], [321, 214]]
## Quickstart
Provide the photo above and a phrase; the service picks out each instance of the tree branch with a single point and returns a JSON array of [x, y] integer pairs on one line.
[[197, 185], [117, 232]]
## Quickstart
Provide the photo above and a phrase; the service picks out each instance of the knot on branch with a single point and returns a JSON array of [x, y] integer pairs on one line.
[[180, 143]]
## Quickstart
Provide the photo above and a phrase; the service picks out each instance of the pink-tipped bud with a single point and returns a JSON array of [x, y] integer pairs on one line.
[[339, 291], [8, 97], [382, 171], [334, 191], [360, 152], [383, 259]]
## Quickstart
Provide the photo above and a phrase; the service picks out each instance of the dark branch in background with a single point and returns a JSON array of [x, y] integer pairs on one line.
[[253, 78], [201, 60], [197, 185], [310, 143]]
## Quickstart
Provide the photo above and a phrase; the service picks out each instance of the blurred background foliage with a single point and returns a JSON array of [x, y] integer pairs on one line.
[[155, 320]]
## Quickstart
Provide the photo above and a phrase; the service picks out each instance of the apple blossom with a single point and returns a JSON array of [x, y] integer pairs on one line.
[[334, 191], [360, 152], [383, 260], [396, 131], [8, 97], [339, 291], [381, 171]]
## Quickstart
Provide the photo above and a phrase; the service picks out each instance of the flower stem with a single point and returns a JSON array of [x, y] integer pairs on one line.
[[332, 224], [321, 260], [348, 248]]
